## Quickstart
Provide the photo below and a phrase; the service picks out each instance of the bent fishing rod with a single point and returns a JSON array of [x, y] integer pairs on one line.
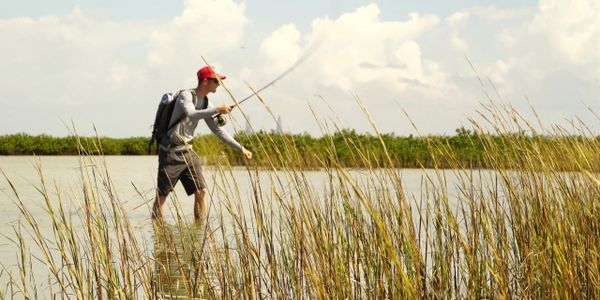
[[221, 120]]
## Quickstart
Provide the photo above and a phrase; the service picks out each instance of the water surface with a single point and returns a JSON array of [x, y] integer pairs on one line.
[[133, 179]]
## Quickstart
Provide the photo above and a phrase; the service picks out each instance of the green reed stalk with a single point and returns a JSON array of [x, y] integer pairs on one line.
[[524, 228]]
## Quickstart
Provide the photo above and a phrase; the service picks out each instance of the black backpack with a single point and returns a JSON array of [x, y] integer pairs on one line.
[[164, 113]]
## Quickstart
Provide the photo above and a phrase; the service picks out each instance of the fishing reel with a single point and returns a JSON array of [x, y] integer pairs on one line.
[[221, 121]]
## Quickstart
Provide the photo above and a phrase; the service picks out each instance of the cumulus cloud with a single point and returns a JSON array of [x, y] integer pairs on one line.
[[457, 21], [204, 27], [572, 27], [282, 48], [549, 56], [358, 48], [559, 39], [85, 66], [57, 53], [358, 52]]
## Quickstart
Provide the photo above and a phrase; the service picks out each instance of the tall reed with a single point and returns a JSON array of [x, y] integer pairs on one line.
[[524, 228]]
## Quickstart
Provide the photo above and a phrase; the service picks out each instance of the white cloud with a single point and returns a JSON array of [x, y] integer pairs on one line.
[[563, 32], [282, 48], [57, 54], [359, 48], [561, 37], [382, 61], [85, 66], [204, 28], [573, 27], [550, 56], [457, 21]]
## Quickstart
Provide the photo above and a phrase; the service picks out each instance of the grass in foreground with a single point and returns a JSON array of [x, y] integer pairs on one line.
[[522, 229]]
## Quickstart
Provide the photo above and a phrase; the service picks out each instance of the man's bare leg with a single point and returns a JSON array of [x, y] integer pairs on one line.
[[158, 206], [200, 204]]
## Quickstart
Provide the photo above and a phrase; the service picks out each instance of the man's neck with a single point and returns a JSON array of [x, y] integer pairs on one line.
[[201, 93]]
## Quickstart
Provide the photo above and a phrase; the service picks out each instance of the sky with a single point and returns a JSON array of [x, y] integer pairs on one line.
[[102, 66]]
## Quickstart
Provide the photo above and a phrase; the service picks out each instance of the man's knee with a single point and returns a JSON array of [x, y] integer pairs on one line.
[[160, 198], [201, 192]]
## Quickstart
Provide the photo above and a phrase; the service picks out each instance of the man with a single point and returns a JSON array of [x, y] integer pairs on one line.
[[176, 159]]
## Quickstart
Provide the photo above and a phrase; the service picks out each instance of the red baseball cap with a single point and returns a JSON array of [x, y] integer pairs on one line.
[[208, 72]]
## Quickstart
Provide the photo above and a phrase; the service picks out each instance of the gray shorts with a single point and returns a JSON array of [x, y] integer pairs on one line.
[[180, 165]]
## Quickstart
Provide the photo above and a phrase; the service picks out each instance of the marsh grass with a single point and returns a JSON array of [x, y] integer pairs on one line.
[[525, 228]]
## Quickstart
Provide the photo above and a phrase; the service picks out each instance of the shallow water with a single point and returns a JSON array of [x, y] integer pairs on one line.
[[133, 180]]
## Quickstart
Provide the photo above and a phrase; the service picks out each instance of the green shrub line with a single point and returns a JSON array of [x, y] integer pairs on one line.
[[25, 144], [466, 146]]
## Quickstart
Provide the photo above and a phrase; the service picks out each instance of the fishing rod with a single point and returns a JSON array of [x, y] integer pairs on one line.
[[221, 121]]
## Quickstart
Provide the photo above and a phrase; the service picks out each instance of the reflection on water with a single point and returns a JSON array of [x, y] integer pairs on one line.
[[179, 266], [180, 253]]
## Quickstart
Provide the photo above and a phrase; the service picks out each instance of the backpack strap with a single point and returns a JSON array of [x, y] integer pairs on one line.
[[182, 115], [204, 104], [195, 100]]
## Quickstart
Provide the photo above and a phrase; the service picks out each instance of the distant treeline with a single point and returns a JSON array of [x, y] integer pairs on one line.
[[24, 144], [345, 148]]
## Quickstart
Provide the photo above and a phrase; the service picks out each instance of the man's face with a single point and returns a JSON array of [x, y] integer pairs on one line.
[[213, 84]]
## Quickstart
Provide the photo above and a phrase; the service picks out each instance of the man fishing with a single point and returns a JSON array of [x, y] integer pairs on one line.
[[176, 158]]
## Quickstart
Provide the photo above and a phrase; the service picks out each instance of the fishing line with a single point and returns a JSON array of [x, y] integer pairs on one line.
[[221, 120]]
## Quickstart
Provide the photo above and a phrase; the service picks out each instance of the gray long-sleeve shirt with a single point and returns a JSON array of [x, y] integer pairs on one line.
[[183, 133]]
